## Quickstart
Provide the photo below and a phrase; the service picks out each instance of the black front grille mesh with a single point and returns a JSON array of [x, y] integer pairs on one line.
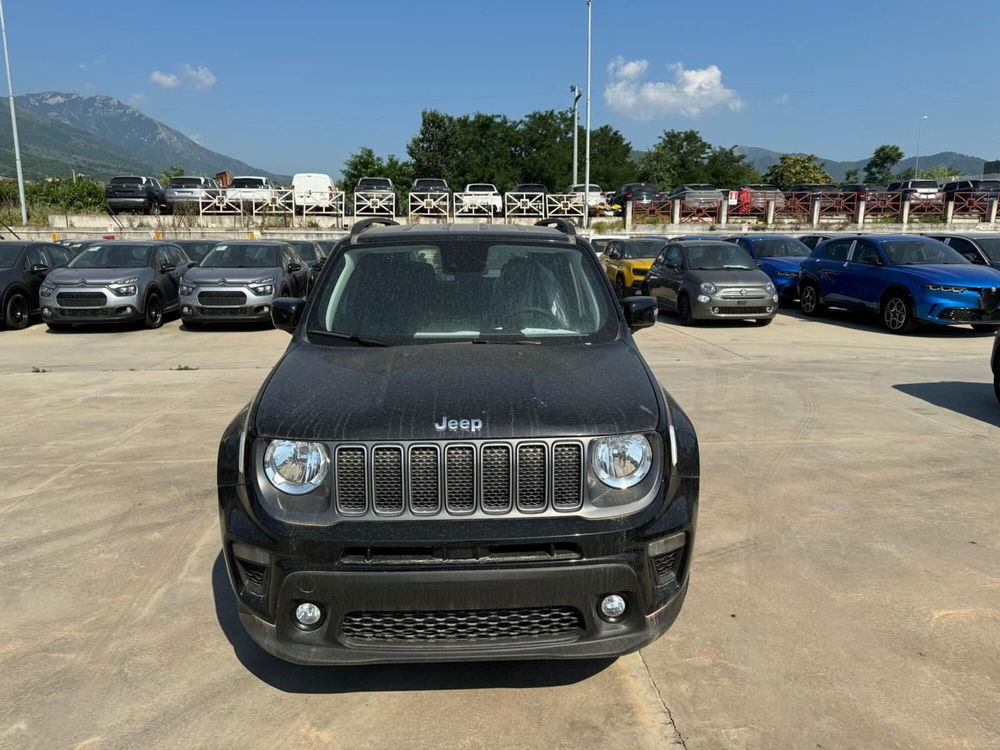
[[665, 565], [990, 298], [459, 478], [742, 310], [462, 624], [222, 298], [81, 299]]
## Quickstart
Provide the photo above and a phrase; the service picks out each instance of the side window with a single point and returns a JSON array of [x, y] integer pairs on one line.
[[837, 249], [58, 255], [162, 257], [675, 255], [966, 248], [178, 256], [865, 252], [35, 257]]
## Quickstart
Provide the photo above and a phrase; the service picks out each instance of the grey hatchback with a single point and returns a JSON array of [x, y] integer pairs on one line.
[[239, 281], [709, 280], [118, 281]]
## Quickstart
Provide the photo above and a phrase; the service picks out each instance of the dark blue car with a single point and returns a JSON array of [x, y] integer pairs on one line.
[[779, 257], [906, 280]]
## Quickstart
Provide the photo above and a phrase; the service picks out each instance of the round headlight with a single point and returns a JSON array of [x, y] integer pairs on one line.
[[769, 287], [708, 287], [622, 461], [294, 466]]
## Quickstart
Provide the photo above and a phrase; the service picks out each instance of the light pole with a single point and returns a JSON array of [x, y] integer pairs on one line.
[[586, 169], [13, 121], [576, 128], [916, 167]]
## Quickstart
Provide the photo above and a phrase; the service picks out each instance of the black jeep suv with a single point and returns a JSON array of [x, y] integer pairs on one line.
[[436, 470]]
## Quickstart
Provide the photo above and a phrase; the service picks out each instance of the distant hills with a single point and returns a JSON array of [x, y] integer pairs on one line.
[[762, 158], [101, 136]]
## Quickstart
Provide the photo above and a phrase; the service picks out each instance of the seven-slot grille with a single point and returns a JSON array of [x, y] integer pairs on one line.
[[459, 478], [222, 298], [81, 299]]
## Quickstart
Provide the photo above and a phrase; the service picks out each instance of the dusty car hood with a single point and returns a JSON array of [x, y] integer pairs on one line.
[[754, 277], [200, 275], [320, 392], [83, 276]]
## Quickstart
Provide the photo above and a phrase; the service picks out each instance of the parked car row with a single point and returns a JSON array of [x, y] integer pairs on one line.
[[108, 281], [906, 280]]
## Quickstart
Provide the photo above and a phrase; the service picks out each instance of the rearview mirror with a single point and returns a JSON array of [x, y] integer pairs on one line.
[[286, 312], [640, 312]]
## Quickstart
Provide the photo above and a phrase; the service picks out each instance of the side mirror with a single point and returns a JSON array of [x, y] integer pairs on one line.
[[286, 312], [293, 267], [39, 268], [167, 267], [640, 312], [613, 255]]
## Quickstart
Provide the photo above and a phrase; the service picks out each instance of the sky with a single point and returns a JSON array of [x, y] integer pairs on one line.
[[294, 86]]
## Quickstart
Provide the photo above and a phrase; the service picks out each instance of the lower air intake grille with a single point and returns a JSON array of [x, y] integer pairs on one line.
[[81, 299], [462, 624], [742, 311], [351, 480], [222, 298], [666, 565]]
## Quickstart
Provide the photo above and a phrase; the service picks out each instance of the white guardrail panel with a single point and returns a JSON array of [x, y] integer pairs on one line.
[[473, 204], [564, 206], [377, 203], [524, 205], [435, 205], [324, 205]]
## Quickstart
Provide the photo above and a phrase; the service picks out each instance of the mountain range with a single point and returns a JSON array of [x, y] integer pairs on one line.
[[100, 136], [963, 164]]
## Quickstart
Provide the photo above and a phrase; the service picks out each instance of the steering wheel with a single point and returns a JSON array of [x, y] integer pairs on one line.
[[533, 311]]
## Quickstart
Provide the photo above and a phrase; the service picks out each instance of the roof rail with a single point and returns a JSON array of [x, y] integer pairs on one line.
[[563, 225], [364, 224]]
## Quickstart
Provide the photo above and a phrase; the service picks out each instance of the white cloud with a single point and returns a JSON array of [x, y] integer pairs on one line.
[[691, 93], [198, 78], [167, 80], [783, 99]]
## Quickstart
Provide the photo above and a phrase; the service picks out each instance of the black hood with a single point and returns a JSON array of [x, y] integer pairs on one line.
[[343, 393]]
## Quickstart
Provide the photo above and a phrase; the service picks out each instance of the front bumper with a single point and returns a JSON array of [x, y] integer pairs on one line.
[[251, 308], [786, 287], [113, 310], [724, 308], [950, 308], [127, 202]]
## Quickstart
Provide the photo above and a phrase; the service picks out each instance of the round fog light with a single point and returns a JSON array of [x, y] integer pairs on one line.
[[308, 614], [47, 312], [612, 607], [186, 310], [768, 309], [703, 298], [715, 310]]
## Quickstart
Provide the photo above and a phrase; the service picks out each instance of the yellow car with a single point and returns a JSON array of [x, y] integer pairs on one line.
[[627, 261]]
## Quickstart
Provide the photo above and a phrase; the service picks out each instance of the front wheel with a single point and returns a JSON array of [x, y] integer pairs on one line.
[[620, 287], [154, 312], [897, 315], [684, 312], [16, 312], [809, 300], [154, 208]]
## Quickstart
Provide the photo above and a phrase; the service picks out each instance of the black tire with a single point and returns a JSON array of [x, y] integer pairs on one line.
[[153, 314], [684, 311], [809, 302], [154, 208], [60, 327], [763, 321], [17, 312], [996, 384], [984, 328], [620, 287], [897, 314]]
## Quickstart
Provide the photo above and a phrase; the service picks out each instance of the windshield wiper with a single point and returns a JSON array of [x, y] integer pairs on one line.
[[506, 340], [359, 340]]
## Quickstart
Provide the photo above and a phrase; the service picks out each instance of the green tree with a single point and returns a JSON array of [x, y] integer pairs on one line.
[[793, 170], [611, 162], [941, 173], [884, 160], [852, 175], [365, 163], [724, 168], [174, 171], [544, 150], [682, 156]]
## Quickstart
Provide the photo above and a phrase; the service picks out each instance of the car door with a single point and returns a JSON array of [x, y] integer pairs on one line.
[[36, 265], [612, 258], [168, 275], [297, 271], [832, 265], [672, 275], [863, 278]]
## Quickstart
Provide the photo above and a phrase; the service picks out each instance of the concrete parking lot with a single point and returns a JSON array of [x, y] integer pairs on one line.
[[845, 589]]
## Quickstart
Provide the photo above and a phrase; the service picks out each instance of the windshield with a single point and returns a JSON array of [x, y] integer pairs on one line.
[[244, 255], [481, 188], [374, 184], [922, 184], [430, 185], [718, 257], [582, 188], [634, 249], [990, 246], [463, 290], [920, 252], [112, 256], [306, 249], [247, 182], [197, 250], [785, 248], [185, 182], [9, 255]]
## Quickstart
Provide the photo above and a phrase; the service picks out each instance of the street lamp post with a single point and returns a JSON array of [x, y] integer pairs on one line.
[[586, 169], [576, 129], [916, 167], [13, 121]]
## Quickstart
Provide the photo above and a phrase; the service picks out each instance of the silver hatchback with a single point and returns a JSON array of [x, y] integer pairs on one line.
[[710, 280]]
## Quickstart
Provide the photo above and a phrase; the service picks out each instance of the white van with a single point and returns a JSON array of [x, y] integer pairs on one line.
[[313, 189]]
